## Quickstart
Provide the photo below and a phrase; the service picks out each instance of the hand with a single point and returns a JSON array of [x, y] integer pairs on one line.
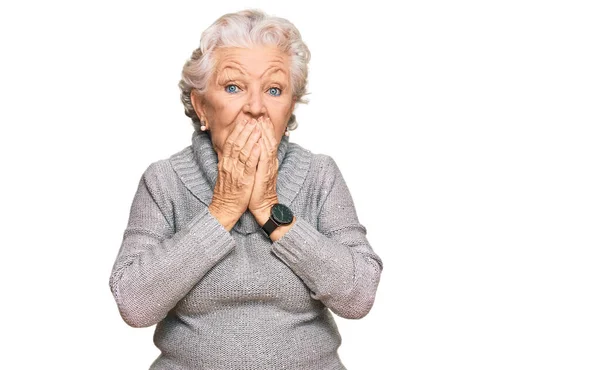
[[264, 192], [237, 169]]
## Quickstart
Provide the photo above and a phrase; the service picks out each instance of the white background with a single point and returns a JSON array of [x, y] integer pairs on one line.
[[467, 132]]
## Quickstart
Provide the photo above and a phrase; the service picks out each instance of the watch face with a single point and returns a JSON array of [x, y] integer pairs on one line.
[[282, 214]]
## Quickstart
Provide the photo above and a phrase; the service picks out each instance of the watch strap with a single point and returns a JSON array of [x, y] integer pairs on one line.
[[269, 226]]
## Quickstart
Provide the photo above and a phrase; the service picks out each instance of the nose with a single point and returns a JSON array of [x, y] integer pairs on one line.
[[255, 106]]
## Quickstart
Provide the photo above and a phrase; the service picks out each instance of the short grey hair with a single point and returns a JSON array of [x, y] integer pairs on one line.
[[246, 29]]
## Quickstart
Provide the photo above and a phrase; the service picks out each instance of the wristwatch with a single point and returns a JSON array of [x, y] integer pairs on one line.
[[281, 215]]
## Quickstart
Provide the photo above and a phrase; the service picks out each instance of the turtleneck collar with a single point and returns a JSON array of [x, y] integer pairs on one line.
[[197, 167]]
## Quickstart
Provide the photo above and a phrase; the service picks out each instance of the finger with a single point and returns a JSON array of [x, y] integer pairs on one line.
[[263, 160], [246, 151], [242, 138], [269, 133], [250, 167], [228, 146], [273, 161]]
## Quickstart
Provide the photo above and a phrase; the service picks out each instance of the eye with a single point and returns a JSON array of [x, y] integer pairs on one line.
[[232, 89], [275, 91]]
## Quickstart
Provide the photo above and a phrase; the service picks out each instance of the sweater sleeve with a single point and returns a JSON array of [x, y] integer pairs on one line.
[[335, 259], [156, 267]]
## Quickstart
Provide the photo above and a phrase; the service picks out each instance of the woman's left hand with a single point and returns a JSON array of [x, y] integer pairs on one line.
[[264, 193]]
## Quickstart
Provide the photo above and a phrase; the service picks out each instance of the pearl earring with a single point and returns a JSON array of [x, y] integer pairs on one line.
[[202, 126], [287, 132]]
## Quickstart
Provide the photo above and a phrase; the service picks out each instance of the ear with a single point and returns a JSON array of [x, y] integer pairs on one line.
[[198, 104]]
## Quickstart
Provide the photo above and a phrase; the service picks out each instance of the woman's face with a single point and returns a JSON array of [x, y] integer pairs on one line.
[[246, 84]]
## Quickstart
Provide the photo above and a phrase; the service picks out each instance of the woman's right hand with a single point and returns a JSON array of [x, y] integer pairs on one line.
[[236, 171]]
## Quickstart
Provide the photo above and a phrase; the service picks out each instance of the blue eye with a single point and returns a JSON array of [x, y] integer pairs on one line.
[[232, 89], [275, 91]]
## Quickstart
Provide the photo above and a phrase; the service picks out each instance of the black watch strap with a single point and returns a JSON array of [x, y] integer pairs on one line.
[[269, 227]]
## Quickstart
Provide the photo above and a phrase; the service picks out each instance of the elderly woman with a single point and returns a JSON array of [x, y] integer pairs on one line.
[[241, 244]]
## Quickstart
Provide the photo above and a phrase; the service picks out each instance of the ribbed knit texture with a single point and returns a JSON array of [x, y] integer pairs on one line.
[[235, 300]]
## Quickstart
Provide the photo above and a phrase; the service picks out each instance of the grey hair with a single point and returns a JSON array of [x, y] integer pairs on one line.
[[246, 29]]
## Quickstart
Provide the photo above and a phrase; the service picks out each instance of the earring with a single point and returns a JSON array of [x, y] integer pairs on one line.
[[287, 132], [202, 126]]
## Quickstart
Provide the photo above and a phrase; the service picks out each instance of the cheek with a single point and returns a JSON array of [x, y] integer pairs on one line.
[[280, 115], [221, 117], [280, 129]]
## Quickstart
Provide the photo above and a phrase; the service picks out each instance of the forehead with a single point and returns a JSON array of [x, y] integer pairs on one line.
[[254, 62]]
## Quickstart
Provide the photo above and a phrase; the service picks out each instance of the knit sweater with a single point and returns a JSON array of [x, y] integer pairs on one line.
[[237, 300]]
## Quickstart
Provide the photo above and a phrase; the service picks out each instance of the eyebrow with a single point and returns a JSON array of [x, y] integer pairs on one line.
[[227, 74], [268, 71], [226, 69], [273, 69]]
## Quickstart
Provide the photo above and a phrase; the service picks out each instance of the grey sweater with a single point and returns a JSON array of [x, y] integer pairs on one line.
[[236, 300]]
